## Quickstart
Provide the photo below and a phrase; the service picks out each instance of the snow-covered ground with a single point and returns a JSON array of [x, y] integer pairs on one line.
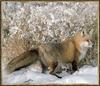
[[31, 75]]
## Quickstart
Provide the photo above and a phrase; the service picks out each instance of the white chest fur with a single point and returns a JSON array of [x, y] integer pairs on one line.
[[83, 49], [82, 54]]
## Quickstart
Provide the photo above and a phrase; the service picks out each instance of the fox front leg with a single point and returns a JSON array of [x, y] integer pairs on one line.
[[75, 66]]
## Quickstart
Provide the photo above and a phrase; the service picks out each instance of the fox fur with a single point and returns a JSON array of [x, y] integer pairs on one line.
[[71, 50]]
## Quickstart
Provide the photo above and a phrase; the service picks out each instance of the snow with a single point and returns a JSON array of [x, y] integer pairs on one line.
[[84, 75], [33, 75]]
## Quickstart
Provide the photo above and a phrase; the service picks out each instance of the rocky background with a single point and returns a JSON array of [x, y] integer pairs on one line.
[[23, 23]]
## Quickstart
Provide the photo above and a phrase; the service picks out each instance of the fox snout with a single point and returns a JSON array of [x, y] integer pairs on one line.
[[86, 44], [90, 44]]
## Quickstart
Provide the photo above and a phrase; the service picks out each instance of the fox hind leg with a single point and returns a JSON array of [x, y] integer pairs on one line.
[[52, 68], [43, 66]]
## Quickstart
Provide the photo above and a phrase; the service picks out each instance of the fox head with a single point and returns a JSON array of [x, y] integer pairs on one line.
[[83, 41]]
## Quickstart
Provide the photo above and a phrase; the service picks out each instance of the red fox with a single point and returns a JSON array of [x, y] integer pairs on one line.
[[71, 50]]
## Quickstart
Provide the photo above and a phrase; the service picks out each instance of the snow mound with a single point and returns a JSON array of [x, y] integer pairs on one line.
[[85, 75]]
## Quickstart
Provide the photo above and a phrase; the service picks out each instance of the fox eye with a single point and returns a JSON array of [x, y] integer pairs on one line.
[[87, 40]]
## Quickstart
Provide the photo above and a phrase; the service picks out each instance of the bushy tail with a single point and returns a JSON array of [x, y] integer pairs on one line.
[[23, 60]]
